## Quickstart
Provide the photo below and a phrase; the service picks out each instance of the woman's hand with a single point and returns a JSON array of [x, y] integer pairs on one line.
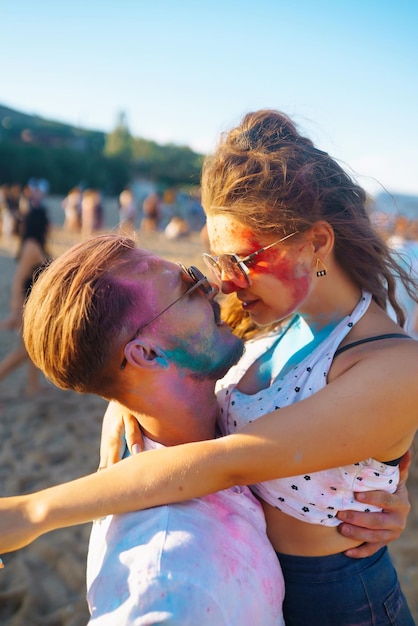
[[18, 527], [378, 529], [120, 429]]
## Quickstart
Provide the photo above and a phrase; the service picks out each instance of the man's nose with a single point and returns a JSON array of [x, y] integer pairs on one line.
[[215, 290]]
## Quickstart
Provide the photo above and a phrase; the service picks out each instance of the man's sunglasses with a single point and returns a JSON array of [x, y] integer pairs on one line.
[[199, 282]]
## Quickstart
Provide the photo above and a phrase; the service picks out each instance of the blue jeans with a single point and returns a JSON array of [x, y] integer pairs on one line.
[[339, 591]]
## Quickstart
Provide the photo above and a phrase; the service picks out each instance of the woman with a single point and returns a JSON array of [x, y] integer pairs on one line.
[[304, 250], [290, 212], [31, 257]]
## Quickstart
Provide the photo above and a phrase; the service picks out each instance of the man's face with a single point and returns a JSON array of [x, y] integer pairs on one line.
[[190, 332]]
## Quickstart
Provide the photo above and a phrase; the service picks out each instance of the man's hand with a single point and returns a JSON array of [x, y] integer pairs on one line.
[[119, 429], [378, 529]]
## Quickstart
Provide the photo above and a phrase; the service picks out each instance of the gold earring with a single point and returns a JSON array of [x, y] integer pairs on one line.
[[321, 269]]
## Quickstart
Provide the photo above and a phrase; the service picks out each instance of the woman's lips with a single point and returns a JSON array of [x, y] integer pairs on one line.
[[247, 306]]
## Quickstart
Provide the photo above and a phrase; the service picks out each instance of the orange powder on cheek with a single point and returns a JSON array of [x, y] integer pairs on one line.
[[293, 275]]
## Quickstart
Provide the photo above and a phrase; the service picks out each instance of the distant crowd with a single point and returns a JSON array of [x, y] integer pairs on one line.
[[401, 233], [176, 215], [172, 212]]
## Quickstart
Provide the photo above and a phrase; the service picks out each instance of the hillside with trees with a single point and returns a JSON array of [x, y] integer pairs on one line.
[[66, 156]]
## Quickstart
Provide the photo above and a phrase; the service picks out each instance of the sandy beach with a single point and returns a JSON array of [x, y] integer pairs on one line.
[[55, 438]]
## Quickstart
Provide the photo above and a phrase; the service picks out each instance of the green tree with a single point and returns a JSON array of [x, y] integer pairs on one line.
[[119, 142]]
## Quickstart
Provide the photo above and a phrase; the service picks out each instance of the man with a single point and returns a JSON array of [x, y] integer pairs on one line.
[[107, 318], [118, 321]]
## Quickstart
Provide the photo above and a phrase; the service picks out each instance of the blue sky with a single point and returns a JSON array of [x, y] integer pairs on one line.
[[184, 70]]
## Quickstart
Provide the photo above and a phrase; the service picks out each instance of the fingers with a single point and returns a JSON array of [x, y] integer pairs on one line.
[[397, 502], [120, 429], [133, 434], [112, 446], [380, 530], [112, 443], [374, 530], [372, 539], [364, 550], [361, 522]]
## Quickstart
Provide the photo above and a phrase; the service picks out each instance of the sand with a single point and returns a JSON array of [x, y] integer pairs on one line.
[[55, 438]]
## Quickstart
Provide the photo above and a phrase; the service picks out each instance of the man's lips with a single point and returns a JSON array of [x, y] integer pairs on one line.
[[217, 313]]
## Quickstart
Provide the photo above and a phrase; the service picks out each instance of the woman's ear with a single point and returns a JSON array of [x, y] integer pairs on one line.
[[143, 353], [323, 239]]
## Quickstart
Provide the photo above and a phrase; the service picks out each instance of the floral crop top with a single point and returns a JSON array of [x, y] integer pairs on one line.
[[315, 498]]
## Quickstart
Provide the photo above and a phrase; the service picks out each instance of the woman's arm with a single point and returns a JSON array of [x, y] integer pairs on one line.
[[30, 256], [369, 411], [373, 530], [134, 483]]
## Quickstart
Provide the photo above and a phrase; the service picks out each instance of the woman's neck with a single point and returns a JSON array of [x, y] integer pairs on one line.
[[335, 297]]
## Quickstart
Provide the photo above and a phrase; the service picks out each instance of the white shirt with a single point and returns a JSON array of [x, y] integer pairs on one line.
[[204, 562]]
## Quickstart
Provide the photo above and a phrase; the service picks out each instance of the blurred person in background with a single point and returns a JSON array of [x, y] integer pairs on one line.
[[72, 210], [177, 228], [32, 257], [127, 213], [151, 210], [13, 217], [91, 212], [6, 214]]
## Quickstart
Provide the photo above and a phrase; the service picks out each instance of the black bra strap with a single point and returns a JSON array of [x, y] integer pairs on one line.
[[376, 338]]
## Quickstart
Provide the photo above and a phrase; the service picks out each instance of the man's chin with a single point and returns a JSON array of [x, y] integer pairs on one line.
[[237, 350]]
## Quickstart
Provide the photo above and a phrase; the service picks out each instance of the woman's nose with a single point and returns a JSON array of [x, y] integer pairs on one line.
[[228, 286]]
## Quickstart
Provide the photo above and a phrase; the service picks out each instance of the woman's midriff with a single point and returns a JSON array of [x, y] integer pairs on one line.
[[292, 536]]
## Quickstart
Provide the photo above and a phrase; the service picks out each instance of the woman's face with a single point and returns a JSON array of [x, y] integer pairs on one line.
[[280, 278]]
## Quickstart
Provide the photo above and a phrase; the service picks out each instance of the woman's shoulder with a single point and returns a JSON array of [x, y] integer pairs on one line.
[[375, 322], [375, 337]]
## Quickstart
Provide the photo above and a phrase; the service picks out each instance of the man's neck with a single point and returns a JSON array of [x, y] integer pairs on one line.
[[182, 415]]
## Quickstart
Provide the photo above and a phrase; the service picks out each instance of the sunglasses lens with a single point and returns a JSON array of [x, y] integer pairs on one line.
[[213, 266], [198, 277], [231, 270], [226, 267]]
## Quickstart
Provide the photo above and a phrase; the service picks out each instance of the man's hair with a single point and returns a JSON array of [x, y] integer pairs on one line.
[[76, 320]]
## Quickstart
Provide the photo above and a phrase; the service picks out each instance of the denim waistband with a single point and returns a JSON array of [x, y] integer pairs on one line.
[[320, 569]]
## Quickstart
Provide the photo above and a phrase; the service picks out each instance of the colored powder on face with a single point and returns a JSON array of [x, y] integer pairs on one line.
[[194, 354], [152, 277], [229, 236], [292, 275], [205, 354]]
